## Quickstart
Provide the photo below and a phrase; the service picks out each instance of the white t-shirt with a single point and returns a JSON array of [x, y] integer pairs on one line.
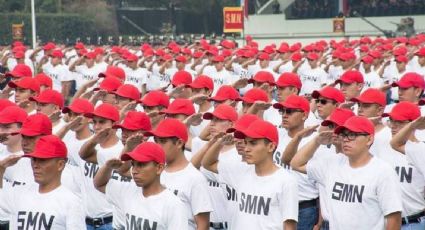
[[312, 79], [219, 78], [163, 211], [265, 202], [412, 182], [335, 73], [272, 115], [59, 73], [87, 74], [29, 209], [371, 80], [136, 77], [358, 198], [191, 187], [307, 189], [287, 67]]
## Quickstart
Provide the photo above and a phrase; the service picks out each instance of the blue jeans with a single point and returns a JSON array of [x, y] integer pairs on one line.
[[103, 227], [307, 218], [414, 226]]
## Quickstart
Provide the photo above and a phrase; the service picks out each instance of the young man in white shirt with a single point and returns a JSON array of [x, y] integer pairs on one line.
[[24, 89], [60, 74], [327, 99], [362, 191], [153, 103], [146, 202], [351, 84], [312, 75], [218, 73], [410, 174], [98, 211], [180, 176], [267, 194], [48, 204]]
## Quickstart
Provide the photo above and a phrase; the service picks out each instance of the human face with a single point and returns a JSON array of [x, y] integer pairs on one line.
[[28, 143], [411, 94], [217, 126], [264, 64], [421, 60], [325, 107], [46, 170], [258, 151], [355, 144], [180, 65], [22, 94], [149, 109], [46, 108], [351, 90], [8, 129], [180, 117], [369, 110], [84, 121], [245, 107], [145, 173], [202, 91], [89, 62], [127, 133], [110, 98], [396, 125], [185, 93], [284, 92], [312, 63], [122, 101], [100, 123], [219, 66], [171, 146], [292, 118], [401, 66], [56, 61], [240, 148]]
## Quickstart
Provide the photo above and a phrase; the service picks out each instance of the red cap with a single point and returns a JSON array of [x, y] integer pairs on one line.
[[351, 76], [226, 92], [294, 102], [128, 91], [264, 57], [365, 40], [329, 93], [243, 122], [364, 48], [17, 43], [259, 129], [181, 77], [82, 52], [296, 57], [146, 152], [156, 98], [404, 111], [99, 50], [180, 106], [367, 59], [106, 111], [80, 106], [263, 77], [181, 58], [113, 71], [4, 103], [49, 96], [109, 84], [26, 83], [357, 124], [402, 50], [44, 80], [228, 44], [186, 51], [289, 79], [218, 58], [201, 82], [371, 96], [90, 55], [312, 56], [198, 54], [57, 53], [347, 56], [283, 48], [421, 52], [135, 121], [402, 59], [170, 127], [37, 124], [19, 55], [410, 80], [375, 54], [20, 70], [254, 95], [49, 46], [13, 114], [223, 112], [79, 45], [338, 117], [132, 57], [48, 147]]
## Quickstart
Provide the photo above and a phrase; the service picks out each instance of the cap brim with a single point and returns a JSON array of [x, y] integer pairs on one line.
[[327, 123], [246, 133], [30, 133], [157, 134], [277, 106], [421, 102], [41, 156], [315, 94]]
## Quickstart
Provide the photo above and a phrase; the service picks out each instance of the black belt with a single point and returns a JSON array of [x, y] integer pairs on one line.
[[218, 225], [97, 222], [307, 204], [416, 218]]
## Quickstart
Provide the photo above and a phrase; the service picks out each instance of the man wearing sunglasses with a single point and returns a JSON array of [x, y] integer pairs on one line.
[[361, 191], [327, 99]]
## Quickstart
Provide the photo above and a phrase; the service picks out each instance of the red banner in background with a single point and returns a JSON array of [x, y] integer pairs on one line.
[[233, 19]]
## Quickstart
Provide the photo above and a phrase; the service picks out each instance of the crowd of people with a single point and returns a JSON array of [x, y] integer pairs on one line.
[[327, 135]]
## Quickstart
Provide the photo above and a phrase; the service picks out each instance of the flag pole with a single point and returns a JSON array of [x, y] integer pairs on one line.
[[34, 34]]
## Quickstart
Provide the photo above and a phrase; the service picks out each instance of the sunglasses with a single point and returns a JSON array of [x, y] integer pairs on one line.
[[289, 111], [323, 101], [351, 135]]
